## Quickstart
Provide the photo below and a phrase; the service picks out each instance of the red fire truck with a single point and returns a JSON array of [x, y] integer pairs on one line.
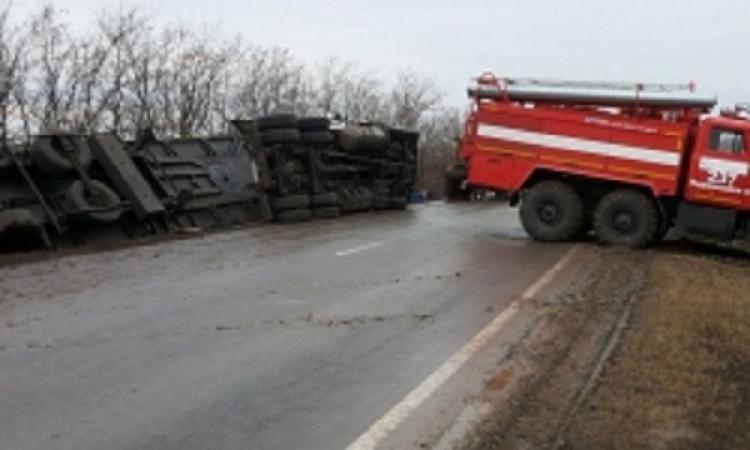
[[628, 161]]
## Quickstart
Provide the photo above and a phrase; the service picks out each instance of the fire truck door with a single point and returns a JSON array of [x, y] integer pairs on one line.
[[720, 168]]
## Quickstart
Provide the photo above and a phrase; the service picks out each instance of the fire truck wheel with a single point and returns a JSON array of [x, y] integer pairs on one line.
[[294, 215], [290, 202], [276, 121], [628, 218], [552, 211], [102, 205]]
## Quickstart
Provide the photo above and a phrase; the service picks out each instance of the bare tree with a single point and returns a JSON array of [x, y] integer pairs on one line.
[[14, 68], [127, 74], [412, 96], [440, 130]]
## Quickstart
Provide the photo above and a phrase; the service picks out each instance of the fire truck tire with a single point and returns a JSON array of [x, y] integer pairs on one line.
[[294, 215], [325, 199], [45, 156], [277, 121], [313, 124], [280, 136], [317, 137], [290, 202], [552, 211], [627, 218], [326, 212], [102, 206]]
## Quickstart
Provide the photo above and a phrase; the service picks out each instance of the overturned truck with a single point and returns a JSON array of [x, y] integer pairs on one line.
[[71, 189]]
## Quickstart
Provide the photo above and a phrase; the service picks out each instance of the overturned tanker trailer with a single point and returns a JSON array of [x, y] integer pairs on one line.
[[72, 189]]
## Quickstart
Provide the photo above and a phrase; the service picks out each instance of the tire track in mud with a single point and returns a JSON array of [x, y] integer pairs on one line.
[[567, 353]]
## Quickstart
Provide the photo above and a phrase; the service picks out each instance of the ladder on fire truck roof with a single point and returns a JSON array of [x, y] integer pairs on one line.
[[603, 85], [594, 93]]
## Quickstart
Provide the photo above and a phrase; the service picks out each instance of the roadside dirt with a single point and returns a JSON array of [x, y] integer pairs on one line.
[[647, 349]]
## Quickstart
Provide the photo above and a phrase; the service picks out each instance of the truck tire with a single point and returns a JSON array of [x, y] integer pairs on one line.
[[102, 206], [317, 137], [363, 138], [366, 198], [17, 218], [313, 124], [325, 199], [280, 136], [294, 215], [347, 200], [398, 202], [326, 212], [552, 211], [52, 161], [277, 121], [628, 218], [290, 202], [380, 202]]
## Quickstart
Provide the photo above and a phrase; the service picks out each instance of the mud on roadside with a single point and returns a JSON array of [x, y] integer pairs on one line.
[[646, 349]]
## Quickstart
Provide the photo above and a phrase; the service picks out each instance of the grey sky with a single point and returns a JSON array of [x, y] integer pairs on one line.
[[635, 40]]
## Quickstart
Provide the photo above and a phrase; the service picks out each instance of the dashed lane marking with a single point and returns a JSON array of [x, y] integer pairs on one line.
[[361, 248]]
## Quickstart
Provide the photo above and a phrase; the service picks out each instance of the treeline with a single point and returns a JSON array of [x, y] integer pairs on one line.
[[127, 72]]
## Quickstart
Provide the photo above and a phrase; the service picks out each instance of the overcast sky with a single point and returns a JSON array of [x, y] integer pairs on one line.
[[636, 40]]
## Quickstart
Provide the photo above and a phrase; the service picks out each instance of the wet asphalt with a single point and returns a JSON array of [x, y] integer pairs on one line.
[[275, 337]]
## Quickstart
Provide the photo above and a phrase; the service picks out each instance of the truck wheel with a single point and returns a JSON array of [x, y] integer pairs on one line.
[[313, 124], [51, 159], [399, 202], [366, 198], [280, 136], [290, 202], [102, 205], [626, 217], [325, 199], [317, 137], [552, 211], [17, 218], [276, 121], [294, 215], [380, 202], [326, 212]]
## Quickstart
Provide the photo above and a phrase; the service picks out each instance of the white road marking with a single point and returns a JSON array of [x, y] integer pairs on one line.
[[359, 249], [379, 431]]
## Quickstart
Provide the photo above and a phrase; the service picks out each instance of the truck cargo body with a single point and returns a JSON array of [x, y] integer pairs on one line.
[[505, 144]]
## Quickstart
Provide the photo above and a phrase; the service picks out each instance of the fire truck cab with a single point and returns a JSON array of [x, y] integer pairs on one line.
[[626, 161]]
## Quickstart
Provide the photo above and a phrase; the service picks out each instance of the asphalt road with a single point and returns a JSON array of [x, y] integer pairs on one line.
[[278, 337]]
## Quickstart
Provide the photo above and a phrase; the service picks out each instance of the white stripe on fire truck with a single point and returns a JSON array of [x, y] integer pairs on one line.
[[568, 143]]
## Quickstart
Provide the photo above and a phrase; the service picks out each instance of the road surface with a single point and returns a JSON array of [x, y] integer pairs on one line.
[[276, 337]]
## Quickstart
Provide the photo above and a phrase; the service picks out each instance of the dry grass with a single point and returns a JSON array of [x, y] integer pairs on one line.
[[681, 379]]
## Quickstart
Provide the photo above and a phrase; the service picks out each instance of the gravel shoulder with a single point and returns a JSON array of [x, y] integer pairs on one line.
[[646, 349]]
